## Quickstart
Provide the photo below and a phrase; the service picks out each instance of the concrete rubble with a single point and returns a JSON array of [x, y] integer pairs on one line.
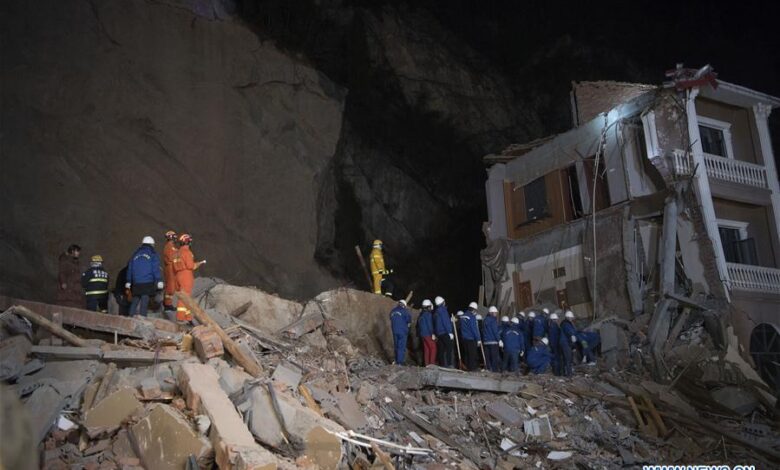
[[338, 403]]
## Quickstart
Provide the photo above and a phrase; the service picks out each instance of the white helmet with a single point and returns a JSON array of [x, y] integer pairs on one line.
[[402, 302], [460, 313], [515, 320], [438, 300], [531, 314], [505, 318], [554, 316], [545, 341], [473, 306], [493, 309], [427, 303], [546, 311], [522, 314], [479, 317], [148, 240], [569, 314]]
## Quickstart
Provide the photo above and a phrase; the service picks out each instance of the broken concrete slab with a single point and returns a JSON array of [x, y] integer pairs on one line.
[[538, 429], [66, 353], [150, 388], [138, 357], [736, 399], [323, 448], [44, 406], [499, 409], [206, 342], [268, 313], [311, 319], [232, 379], [69, 378], [233, 444], [164, 439], [13, 354], [415, 379], [107, 415], [288, 375]]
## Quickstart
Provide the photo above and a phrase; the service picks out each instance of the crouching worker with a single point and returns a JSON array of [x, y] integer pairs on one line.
[[539, 357], [513, 344], [95, 283], [400, 320]]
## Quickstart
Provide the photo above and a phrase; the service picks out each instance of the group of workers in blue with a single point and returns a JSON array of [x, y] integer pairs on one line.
[[543, 341]]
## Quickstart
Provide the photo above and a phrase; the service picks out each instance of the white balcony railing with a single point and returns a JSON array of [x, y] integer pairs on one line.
[[735, 171], [683, 163], [754, 278]]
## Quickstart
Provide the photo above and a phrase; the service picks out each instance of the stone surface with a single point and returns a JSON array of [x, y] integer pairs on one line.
[[736, 399], [269, 313], [508, 415], [107, 415], [288, 375], [233, 444], [43, 406], [164, 440], [13, 354], [323, 448], [207, 343]]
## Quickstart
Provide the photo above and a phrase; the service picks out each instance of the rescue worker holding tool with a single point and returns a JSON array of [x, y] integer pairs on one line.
[[491, 339], [400, 321], [144, 276], [445, 334], [567, 341], [426, 331], [169, 254], [184, 265], [378, 270], [95, 283], [471, 337]]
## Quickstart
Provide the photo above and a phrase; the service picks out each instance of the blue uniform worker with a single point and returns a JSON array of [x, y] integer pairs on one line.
[[95, 283], [529, 331], [144, 276], [400, 320], [554, 335], [589, 341], [469, 331], [539, 326], [490, 339], [514, 345], [539, 357], [567, 341], [445, 335]]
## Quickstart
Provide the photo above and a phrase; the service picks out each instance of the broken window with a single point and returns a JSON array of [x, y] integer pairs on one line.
[[535, 194], [602, 188], [713, 141]]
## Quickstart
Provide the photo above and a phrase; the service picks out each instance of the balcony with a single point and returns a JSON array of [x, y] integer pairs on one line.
[[723, 169], [754, 278]]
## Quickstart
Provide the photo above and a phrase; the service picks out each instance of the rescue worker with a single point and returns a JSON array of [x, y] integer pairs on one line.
[[471, 337], [589, 341], [69, 293], [95, 283], [539, 357], [426, 331], [444, 333], [504, 326], [122, 295], [400, 321], [566, 341], [491, 340], [144, 276], [378, 270], [513, 343], [184, 265], [529, 330], [554, 335], [169, 254], [539, 327]]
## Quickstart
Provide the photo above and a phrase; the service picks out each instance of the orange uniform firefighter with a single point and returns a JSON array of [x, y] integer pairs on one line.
[[169, 254], [184, 266]]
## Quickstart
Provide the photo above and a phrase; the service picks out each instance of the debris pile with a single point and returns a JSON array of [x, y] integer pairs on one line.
[[264, 382]]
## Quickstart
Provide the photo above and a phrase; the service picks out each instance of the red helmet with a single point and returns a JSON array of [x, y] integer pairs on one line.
[[185, 239], [170, 235]]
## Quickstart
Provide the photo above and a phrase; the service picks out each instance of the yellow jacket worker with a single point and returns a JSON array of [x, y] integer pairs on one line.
[[378, 270]]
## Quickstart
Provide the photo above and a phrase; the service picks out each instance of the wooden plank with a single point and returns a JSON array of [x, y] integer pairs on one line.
[[240, 310], [310, 402], [48, 325], [365, 268], [248, 363]]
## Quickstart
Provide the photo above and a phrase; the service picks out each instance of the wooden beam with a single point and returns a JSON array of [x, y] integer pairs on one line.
[[48, 325], [240, 310], [242, 359]]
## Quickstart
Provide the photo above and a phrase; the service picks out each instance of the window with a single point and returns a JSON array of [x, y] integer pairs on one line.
[[535, 194], [712, 141], [737, 247], [559, 272]]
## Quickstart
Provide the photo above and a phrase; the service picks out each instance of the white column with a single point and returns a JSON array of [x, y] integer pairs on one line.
[[494, 190], [703, 187], [761, 112]]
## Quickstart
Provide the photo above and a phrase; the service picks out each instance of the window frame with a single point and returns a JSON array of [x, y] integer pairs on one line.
[[734, 225], [725, 128]]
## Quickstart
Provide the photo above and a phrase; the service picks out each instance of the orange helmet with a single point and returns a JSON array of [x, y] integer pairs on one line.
[[185, 239], [170, 235]]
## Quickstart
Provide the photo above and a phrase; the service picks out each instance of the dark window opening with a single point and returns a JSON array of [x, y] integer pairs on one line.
[[737, 250], [602, 188], [575, 201], [559, 272], [712, 141], [536, 206]]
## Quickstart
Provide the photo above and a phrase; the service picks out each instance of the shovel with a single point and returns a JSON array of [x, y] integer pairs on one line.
[[461, 365]]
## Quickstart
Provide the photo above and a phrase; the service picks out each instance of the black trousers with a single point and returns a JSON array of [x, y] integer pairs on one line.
[[444, 351], [471, 353]]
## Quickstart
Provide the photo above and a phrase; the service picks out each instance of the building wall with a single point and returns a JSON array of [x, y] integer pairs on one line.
[[758, 219], [744, 136]]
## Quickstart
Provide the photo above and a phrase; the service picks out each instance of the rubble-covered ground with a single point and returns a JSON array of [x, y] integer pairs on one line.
[[271, 383]]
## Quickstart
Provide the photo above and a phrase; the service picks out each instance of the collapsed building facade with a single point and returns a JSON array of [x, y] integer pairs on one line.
[[661, 200]]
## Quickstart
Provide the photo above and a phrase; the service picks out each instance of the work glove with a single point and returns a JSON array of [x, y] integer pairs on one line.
[[584, 344], [522, 353], [433, 337], [479, 343], [500, 344], [127, 285], [573, 339], [159, 285], [452, 336]]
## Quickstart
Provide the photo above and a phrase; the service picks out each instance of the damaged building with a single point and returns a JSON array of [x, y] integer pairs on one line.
[[661, 201]]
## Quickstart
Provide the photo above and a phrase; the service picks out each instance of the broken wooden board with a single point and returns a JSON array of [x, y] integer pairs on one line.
[[121, 357]]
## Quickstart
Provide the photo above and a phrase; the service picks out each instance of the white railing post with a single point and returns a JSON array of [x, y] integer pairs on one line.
[[754, 278], [735, 171]]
